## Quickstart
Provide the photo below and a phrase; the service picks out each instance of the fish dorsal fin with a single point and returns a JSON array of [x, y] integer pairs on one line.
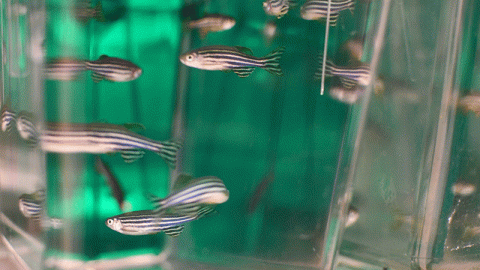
[[244, 50], [39, 195], [103, 56], [136, 127], [156, 201], [182, 181]]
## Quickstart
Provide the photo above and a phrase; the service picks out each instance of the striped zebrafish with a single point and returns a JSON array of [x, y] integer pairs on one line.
[[95, 138], [278, 7], [318, 9], [189, 194], [8, 118], [349, 76], [113, 69], [149, 222], [211, 23], [31, 205], [237, 59], [64, 69]]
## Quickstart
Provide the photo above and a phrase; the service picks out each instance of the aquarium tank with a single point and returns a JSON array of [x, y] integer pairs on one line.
[[209, 134]]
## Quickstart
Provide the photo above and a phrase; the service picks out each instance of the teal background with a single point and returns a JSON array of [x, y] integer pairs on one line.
[[236, 129]]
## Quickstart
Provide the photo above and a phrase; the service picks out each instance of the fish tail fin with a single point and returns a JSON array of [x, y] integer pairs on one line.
[[351, 6], [272, 61], [99, 16], [169, 151], [328, 67]]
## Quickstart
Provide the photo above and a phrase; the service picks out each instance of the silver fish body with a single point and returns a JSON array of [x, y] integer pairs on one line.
[[64, 69], [148, 222], [318, 9], [208, 190], [113, 69], [211, 23], [277, 8], [95, 138], [237, 59]]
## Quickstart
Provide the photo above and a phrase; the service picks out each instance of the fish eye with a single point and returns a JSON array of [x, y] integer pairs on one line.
[[110, 222], [189, 57]]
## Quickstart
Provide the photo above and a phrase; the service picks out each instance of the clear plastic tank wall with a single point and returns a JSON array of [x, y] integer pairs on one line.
[[22, 168], [407, 147]]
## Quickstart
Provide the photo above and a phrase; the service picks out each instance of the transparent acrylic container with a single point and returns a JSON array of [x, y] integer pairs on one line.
[[294, 161]]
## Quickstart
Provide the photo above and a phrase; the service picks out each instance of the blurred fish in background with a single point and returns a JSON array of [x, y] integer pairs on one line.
[[83, 11], [278, 8], [470, 103], [210, 23], [112, 181], [314, 10]]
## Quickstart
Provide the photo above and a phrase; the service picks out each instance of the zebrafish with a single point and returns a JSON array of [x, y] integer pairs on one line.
[[113, 69], [354, 47], [64, 69], [318, 9], [237, 59], [463, 189], [95, 138], [83, 11], [188, 194], [8, 118], [349, 76], [211, 23], [149, 222], [112, 181], [269, 32], [31, 205], [278, 7], [470, 102]]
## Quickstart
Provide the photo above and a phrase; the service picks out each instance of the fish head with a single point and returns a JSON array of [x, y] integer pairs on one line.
[[308, 15], [267, 6], [217, 197], [136, 72], [191, 59], [21, 206], [228, 23], [115, 224]]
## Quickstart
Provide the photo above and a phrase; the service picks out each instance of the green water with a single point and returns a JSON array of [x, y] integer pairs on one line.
[[238, 129]]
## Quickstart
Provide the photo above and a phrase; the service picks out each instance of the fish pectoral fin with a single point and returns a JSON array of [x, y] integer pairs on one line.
[[134, 127], [97, 77], [156, 201], [244, 50], [174, 230], [243, 71], [131, 155]]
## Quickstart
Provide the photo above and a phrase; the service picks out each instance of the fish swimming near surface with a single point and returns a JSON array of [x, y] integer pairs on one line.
[[94, 138], [112, 181], [278, 8], [318, 9], [237, 59], [31, 205], [113, 69], [83, 11], [211, 23], [349, 76], [64, 69], [189, 194], [150, 222]]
